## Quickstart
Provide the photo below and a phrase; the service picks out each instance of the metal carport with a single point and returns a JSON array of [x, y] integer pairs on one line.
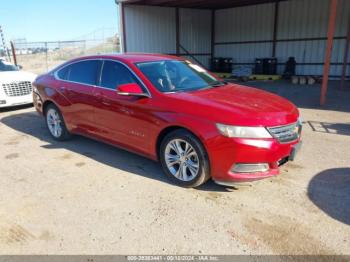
[[316, 32]]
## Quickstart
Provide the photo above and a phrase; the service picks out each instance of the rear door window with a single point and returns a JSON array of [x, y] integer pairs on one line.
[[84, 72]]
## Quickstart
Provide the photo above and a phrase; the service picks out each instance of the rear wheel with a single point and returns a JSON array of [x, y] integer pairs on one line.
[[55, 123], [184, 159]]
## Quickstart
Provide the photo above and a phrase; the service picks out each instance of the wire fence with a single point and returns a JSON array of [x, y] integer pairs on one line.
[[40, 57]]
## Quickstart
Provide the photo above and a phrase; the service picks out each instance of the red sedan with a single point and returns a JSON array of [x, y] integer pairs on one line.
[[169, 109]]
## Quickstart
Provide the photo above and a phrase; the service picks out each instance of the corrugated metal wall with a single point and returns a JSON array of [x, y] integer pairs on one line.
[[341, 30], [150, 29], [153, 30], [244, 24], [303, 19], [250, 23], [195, 34], [309, 19], [298, 19], [243, 33]]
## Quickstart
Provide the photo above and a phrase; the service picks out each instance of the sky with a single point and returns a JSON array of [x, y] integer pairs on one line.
[[57, 20]]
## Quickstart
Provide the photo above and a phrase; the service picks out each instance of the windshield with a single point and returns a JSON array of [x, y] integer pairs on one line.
[[174, 75], [4, 66]]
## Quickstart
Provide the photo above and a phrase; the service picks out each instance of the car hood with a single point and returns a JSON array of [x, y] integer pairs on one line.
[[240, 105], [15, 76]]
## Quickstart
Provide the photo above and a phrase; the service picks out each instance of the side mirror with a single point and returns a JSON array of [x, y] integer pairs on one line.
[[131, 89]]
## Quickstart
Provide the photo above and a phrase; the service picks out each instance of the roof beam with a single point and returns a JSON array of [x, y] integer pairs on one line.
[[200, 4]]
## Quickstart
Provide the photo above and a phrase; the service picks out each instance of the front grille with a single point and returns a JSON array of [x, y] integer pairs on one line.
[[18, 88], [285, 134]]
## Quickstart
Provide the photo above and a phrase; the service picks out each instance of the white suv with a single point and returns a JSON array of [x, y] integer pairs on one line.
[[15, 85]]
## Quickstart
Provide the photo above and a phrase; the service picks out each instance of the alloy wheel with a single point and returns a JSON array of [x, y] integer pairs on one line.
[[54, 122], [182, 160]]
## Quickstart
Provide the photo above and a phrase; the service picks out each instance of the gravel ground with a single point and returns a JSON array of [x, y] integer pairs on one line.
[[84, 197]]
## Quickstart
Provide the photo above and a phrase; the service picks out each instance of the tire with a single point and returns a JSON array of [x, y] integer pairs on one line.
[[55, 123], [184, 159]]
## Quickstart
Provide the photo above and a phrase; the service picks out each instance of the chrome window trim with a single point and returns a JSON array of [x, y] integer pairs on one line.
[[55, 74]]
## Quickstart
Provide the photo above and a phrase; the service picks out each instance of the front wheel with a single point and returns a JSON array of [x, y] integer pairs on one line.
[[55, 123], [184, 159]]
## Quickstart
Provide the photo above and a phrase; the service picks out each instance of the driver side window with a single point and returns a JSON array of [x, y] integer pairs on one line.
[[115, 74]]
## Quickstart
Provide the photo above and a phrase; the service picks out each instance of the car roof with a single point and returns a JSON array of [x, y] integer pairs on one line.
[[133, 57]]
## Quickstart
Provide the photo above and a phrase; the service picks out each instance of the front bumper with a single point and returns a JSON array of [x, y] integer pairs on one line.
[[38, 102], [6, 101], [225, 153]]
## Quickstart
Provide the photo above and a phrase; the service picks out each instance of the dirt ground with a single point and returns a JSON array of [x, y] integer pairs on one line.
[[84, 197]]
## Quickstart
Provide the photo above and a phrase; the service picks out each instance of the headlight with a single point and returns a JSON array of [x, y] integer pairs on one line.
[[243, 131]]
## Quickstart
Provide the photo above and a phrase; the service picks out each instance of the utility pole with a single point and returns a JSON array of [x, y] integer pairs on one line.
[[4, 44], [13, 48]]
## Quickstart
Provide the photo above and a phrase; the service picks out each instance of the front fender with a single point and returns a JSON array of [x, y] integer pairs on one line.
[[203, 129]]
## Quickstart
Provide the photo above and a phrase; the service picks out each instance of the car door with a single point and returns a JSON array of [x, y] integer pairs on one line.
[[77, 85], [122, 120]]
